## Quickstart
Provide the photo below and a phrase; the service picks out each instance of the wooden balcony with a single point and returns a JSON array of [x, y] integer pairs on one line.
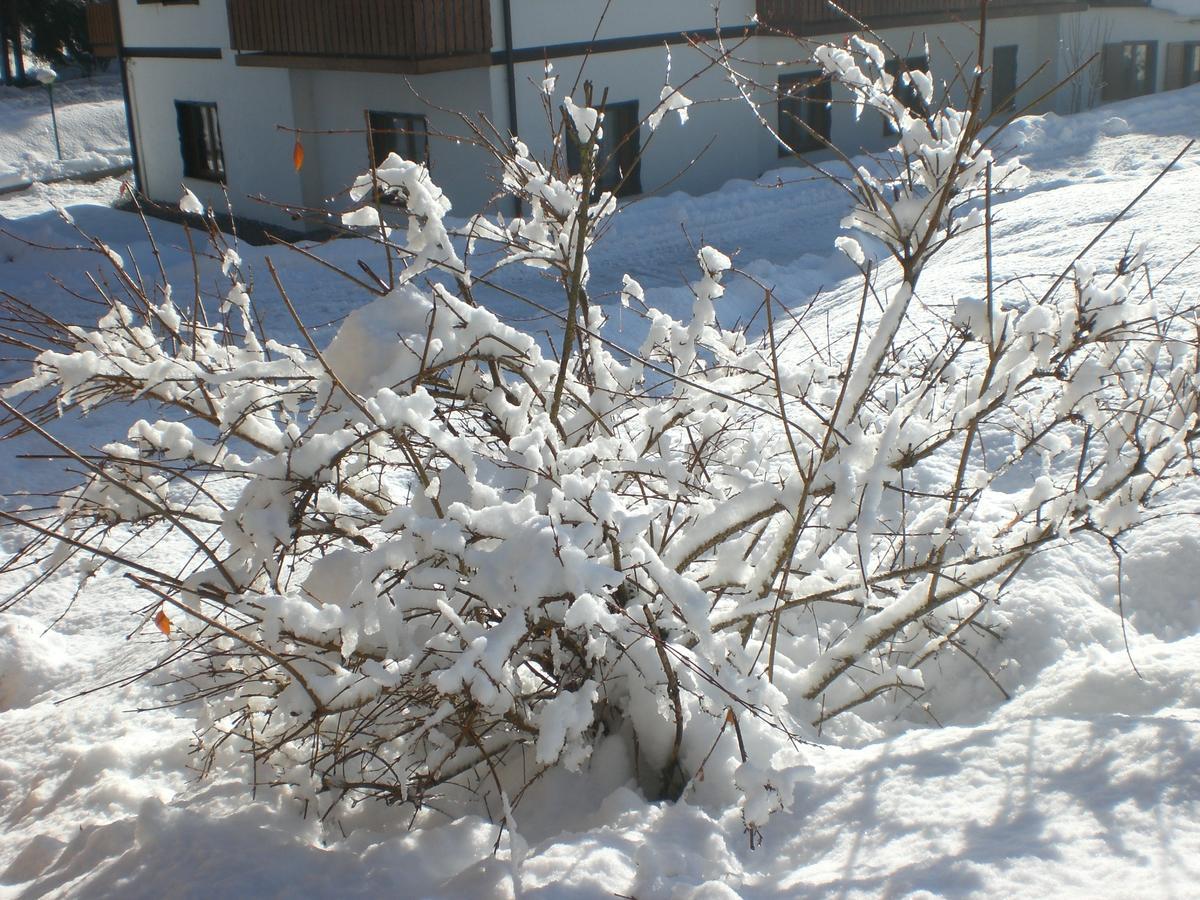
[[102, 27], [816, 17], [407, 36]]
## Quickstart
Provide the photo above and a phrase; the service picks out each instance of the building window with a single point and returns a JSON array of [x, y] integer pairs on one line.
[[1183, 65], [404, 134], [1129, 70], [1004, 79], [200, 141], [618, 153], [805, 113], [904, 89]]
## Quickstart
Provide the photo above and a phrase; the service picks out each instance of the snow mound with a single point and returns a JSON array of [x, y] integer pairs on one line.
[[33, 662], [91, 124], [1180, 7], [1161, 580]]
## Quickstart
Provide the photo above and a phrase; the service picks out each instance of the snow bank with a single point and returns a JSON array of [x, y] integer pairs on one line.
[[1181, 7], [92, 128]]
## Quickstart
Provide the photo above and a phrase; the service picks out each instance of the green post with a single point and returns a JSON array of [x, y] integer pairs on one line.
[[54, 120], [48, 76]]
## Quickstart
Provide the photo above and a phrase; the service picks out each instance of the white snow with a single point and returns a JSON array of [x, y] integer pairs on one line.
[[43, 75], [190, 203], [91, 124], [1086, 783], [1182, 7]]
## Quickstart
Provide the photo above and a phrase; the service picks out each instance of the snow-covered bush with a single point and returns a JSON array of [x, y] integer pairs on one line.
[[432, 557]]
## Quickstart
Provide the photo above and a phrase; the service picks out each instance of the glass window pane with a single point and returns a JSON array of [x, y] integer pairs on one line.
[[805, 117], [1004, 78]]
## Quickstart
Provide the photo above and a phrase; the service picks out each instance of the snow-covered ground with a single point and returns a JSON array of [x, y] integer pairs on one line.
[[91, 127], [1086, 783], [1183, 7]]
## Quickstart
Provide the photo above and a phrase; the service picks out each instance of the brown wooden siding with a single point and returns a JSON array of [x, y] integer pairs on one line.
[[102, 27], [369, 29], [803, 15]]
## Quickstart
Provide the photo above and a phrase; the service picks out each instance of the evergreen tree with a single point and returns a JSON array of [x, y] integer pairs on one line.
[[57, 30], [10, 42]]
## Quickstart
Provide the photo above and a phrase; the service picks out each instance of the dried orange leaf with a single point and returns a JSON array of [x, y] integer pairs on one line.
[[163, 623], [298, 155]]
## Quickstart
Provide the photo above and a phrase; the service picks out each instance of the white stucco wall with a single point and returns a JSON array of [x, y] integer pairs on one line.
[[249, 105], [737, 146], [1115, 25], [538, 23], [728, 129], [257, 155], [338, 101], [203, 24], [252, 101], [948, 46]]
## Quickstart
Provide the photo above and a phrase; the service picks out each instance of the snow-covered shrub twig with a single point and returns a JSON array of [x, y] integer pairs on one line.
[[432, 557]]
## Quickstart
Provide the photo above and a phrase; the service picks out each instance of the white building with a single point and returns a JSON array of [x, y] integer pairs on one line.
[[219, 89]]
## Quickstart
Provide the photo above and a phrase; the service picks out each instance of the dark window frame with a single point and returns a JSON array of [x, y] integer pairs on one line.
[[1191, 63], [804, 97], [200, 144], [905, 90], [1182, 65], [1117, 86], [1005, 81], [405, 134], [619, 150]]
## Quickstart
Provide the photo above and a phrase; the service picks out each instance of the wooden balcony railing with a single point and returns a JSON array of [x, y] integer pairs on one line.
[[802, 15], [102, 27], [410, 35]]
